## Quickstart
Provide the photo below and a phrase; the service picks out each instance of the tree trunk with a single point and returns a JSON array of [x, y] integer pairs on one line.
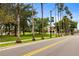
[[42, 20], [15, 30], [56, 20], [39, 31], [58, 24], [1, 30], [33, 34], [18, 24], [9, 29], [23, 31], [72, 31], [5, 29]]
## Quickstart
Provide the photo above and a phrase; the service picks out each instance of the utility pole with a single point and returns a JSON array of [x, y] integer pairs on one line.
[[33, 34], [50, 23]]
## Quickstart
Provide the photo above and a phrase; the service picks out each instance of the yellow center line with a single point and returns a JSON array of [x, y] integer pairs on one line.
[[44, 48]]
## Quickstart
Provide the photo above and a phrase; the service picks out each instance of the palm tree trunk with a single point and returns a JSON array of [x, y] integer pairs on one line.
[[23, 31], [9, 29], [5, 29], [18, 24], [56, 20], [1, 29], [33, 34], [15, 30], [42, 20], [58, 24]]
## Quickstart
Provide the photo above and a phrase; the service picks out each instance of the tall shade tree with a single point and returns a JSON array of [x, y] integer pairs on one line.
[[8, 18], [6, 15], [26, 16], [38, 23], [68, 25]]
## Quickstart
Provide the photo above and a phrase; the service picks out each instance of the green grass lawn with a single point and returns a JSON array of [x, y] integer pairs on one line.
[[7, 44], [26, 38]]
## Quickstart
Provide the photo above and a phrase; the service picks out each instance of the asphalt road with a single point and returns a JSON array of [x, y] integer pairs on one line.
[[63, 46]]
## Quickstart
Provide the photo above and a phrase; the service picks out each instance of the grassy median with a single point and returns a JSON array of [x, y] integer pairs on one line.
[[25, 39]]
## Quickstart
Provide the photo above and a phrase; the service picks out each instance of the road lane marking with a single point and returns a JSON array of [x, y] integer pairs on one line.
[[44, 48]]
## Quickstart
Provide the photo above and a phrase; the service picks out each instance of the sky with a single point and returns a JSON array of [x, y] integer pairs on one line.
[[73, 7]]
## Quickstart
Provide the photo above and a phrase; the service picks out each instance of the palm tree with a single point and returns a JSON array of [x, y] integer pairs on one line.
[[18, 24], [61, 8], [56, 17], [68, 13], [58, 10], [42, 20], [33, 34]]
